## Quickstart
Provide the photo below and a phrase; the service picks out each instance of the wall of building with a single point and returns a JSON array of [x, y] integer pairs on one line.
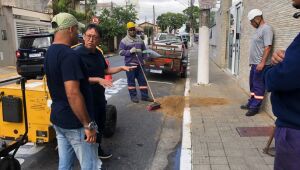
[[277, 13], [7, 56], [219, 33], [17, 22], [34, 5], [213, 38]]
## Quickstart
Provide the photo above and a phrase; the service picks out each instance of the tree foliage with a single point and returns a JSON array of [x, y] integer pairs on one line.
[[192, 13], [113, 22], [172, 20], [69, 7]]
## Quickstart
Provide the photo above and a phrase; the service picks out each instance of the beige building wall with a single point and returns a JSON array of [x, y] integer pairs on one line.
[[7, 55], [218, 46], [277, 13], [33, 5], [15, 20]]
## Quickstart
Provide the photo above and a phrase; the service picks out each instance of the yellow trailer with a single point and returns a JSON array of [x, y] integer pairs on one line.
[[38, 102]]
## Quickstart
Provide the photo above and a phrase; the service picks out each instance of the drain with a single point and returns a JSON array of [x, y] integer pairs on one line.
[[254, 131]]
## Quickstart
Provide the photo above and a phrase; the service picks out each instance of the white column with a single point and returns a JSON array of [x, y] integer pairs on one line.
[[203, 56]]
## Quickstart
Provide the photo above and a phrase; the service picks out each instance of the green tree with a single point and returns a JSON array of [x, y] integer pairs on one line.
[[163, 22], [124, 15], [172, 20], [192, 13], [69, 7], [113, 22]]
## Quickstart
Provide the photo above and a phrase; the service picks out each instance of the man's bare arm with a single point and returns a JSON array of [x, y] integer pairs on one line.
[[76, 101], [265, 56]]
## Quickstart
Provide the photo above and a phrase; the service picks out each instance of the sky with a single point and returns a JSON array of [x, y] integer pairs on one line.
[[161, 6]]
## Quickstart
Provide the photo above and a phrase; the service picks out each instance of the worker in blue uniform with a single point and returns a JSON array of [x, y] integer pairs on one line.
[[259, 60], [131, 47]]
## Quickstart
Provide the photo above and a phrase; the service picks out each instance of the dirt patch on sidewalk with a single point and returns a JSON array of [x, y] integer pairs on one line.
[[174, 105], [207, 101]]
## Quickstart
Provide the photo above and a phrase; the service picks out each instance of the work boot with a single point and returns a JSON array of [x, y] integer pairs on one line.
[[244, 107], [134, 99], [103, 155], [148, 99], [251, 112]]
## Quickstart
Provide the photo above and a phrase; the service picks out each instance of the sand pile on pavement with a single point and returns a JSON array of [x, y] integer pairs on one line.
[[174, 105]]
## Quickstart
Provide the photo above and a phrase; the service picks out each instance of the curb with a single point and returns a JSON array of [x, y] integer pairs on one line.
[[186, 146]]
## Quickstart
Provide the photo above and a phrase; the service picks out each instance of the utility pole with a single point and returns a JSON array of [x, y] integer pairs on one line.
[[85, 10], [154, 15], [153, 27], [203, 49], [191, 24]]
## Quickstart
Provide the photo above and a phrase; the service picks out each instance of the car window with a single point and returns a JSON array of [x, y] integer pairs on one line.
[[35, 42], [163, 37]]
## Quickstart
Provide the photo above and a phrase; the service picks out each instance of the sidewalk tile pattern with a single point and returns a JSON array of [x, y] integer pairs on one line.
[[216, 144]]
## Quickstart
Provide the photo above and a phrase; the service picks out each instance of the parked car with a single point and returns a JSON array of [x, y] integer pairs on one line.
[[172, 55], [167, 58], [30, 54], [185, 38], [168, 39]]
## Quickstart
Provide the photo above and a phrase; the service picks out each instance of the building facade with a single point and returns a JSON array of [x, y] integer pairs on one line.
[[231, 36], [18, 18], [148, 24]]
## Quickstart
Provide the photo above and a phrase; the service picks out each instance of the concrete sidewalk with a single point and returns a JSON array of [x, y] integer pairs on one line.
[[8, 72], [215, 115]]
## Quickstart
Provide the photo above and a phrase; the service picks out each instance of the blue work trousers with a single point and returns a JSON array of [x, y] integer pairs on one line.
[[257, 88], [287, 146], [137, 74]]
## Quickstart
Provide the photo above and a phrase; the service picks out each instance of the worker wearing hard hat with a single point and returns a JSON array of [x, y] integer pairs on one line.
[[131, 48], [260, 48]]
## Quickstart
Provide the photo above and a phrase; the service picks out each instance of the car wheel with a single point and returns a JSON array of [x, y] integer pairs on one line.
[[10, 163], [111, 121]]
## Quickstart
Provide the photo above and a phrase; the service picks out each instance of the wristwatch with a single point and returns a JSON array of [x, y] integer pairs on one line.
[[92, 126]]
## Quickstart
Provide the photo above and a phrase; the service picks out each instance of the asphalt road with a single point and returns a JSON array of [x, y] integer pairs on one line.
[[143, 140]]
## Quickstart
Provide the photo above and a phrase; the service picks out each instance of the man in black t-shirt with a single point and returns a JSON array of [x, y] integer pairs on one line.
[[71, 110], [96, 66]]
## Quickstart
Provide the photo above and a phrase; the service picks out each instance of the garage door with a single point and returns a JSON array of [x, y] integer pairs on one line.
[[24, 28]]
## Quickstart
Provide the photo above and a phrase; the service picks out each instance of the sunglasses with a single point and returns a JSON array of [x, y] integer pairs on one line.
[[133, 30]]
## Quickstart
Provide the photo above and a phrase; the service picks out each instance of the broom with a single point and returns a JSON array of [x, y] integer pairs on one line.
[[154, 105]]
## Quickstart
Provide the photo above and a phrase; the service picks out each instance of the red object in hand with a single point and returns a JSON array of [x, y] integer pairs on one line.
[[108, 77]]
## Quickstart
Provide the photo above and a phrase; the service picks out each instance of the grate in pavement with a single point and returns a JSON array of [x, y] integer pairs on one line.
[[254, 131]]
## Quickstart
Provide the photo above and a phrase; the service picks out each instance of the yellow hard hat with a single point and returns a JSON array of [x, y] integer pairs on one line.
[[130, 25]]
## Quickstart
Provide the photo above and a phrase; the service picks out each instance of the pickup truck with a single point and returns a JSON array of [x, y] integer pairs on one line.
[[171, 58]]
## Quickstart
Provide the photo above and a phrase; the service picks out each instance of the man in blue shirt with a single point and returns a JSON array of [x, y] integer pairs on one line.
[[96, 66], [71, 110], [283, 80]]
